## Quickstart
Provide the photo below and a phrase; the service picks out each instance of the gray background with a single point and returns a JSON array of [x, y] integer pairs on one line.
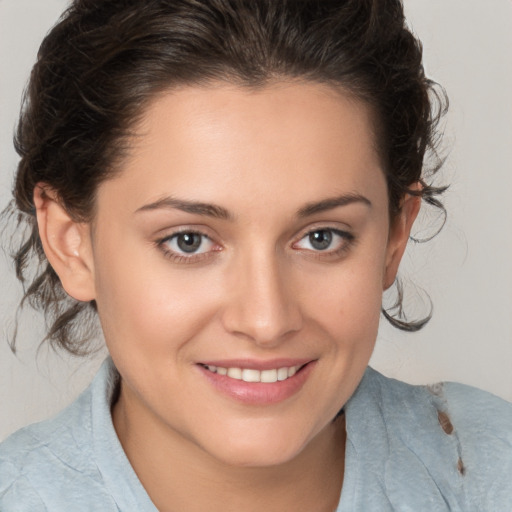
[[467, 269]]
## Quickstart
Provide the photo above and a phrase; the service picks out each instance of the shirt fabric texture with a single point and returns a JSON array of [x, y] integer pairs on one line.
[[437, 448]]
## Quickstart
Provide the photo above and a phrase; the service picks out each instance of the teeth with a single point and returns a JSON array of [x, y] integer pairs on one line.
[[235, 373], [250, 375], [268, 376], [282, 374]]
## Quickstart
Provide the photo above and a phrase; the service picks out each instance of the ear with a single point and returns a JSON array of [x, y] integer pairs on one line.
[[399, 232], [66, 243]]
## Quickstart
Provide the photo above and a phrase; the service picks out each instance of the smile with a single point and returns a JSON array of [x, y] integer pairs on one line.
[[258, 382], [252, 375]]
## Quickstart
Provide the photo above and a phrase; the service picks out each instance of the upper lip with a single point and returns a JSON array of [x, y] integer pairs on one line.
[[254, 364]]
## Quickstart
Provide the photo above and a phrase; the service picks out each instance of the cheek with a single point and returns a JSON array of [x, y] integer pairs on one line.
[[143, 298], [348, 296]]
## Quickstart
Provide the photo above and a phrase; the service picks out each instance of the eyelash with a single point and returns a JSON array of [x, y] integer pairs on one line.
[[347, 240], [177, 257]]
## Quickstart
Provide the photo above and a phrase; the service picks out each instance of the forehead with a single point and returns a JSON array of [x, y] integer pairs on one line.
[[286, 139]]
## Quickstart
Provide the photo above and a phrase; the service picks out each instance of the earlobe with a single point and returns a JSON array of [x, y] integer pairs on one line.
[[66, 243], [399, 235]]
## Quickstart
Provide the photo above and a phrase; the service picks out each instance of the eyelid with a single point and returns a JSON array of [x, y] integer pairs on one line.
[[347, 237], [343, 230], [183, 257]]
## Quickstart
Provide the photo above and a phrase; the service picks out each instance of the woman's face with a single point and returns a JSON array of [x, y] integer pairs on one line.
[[245, 240]]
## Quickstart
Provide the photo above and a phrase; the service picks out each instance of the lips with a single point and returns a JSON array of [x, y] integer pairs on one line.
[[258, 383]]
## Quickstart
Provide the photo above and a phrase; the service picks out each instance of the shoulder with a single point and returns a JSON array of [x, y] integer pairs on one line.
[[459, 408], [63, 436], [48, 465], [480, 420], [16, 491], [482, 423], [463, 400], [447, 441]]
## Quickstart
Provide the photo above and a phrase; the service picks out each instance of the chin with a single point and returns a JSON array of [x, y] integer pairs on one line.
[[258, 447], [255, 457]]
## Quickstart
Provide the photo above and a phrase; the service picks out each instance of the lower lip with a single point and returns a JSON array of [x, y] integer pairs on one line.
[[259, 393]]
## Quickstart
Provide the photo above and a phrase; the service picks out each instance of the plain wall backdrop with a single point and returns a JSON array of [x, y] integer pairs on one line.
[[466, 269]]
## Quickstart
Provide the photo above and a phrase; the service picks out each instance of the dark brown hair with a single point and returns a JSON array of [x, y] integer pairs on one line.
[[105, 60]]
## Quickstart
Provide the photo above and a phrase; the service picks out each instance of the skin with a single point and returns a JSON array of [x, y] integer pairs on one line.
[[256, 289]]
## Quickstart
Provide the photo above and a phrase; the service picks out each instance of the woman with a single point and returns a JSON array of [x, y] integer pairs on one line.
[[230, 187]]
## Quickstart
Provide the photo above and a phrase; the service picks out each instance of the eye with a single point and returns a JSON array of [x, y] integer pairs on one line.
[[186, 244], [325, 240]]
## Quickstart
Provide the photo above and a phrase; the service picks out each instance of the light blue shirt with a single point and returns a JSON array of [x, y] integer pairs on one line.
[[398, 454]]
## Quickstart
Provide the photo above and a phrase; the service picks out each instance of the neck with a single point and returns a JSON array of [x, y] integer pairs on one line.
[[179, 475]]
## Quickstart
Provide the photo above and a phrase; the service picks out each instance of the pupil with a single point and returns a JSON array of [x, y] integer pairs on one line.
[[189, 242], [320, 240]]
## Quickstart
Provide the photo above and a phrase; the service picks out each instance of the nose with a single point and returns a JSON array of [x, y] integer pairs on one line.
[[262, 306]]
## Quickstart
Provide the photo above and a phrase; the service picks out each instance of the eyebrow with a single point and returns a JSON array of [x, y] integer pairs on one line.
[[218, 212], [198, 208], [331, 203]]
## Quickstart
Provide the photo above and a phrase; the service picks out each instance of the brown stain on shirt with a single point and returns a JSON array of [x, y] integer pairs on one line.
[[444, 421], [447, 426]]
